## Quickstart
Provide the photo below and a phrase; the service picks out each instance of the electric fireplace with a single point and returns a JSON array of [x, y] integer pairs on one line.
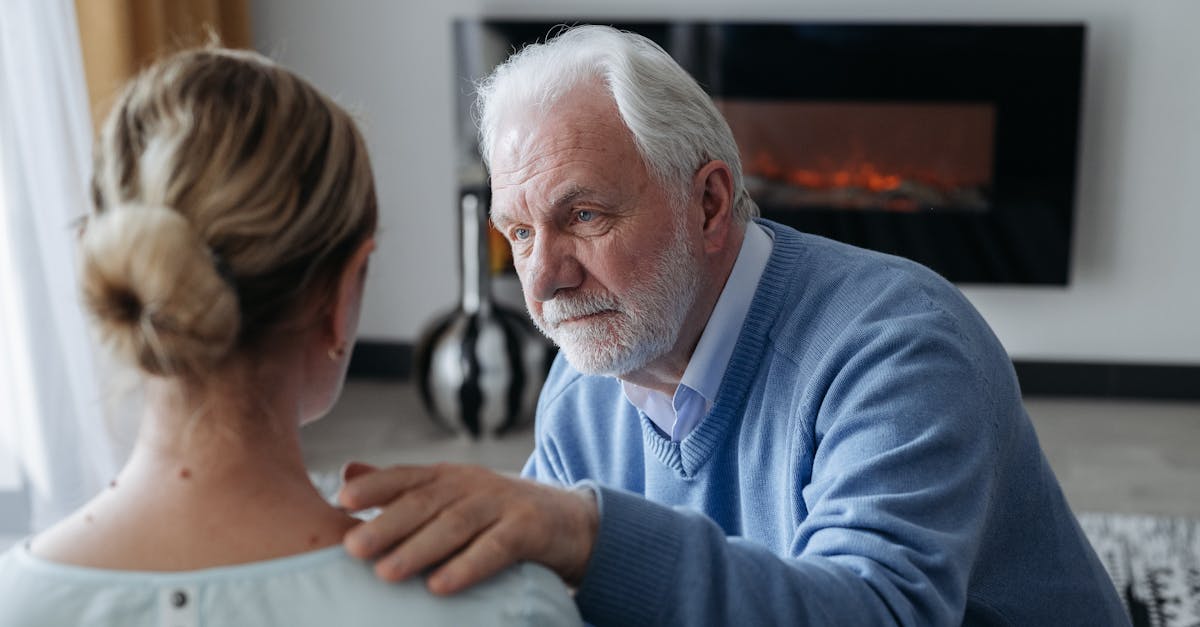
[[952, 144]]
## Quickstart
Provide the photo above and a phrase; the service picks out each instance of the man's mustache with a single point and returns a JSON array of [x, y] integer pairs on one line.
[[563, 308]]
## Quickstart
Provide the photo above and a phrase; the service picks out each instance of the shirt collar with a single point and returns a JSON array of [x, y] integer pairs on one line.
[[677, 416]]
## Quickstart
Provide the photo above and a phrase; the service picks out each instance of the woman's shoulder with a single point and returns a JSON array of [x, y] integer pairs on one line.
[[344, 590], [525, 594], [539, 597]]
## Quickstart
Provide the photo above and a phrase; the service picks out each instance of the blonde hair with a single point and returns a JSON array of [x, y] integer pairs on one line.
[[229, 194]]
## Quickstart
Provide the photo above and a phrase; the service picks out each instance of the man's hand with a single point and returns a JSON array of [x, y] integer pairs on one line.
[[475, 521]]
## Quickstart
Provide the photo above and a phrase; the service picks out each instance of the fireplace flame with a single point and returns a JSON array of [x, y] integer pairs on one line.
[[863, 175]]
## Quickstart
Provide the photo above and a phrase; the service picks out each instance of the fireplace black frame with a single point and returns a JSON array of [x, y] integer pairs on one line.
[[1031, 73]]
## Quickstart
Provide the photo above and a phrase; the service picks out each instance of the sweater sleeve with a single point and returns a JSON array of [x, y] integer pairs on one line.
[[902, 447]]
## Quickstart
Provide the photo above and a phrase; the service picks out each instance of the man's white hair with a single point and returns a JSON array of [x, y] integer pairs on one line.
[[674, 123]]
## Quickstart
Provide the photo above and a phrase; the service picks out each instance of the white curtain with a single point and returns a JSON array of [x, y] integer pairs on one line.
[[10, 476], [50, 394]]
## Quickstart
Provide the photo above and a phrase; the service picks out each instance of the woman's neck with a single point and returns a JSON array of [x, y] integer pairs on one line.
[[217, 477], [220, 433]]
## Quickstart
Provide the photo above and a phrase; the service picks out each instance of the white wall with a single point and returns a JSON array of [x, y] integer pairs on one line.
[[1134, 294]]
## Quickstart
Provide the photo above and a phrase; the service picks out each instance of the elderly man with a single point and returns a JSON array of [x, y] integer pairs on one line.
[[746, 424]]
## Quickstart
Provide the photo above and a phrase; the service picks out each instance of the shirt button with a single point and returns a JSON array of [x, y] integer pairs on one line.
[[179, 598]]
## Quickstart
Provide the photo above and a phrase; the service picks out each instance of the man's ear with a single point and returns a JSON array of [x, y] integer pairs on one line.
[[343, 317], [714, 184]]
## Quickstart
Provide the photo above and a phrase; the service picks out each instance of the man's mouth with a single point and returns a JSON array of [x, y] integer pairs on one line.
[[587, 317], [581, 317]]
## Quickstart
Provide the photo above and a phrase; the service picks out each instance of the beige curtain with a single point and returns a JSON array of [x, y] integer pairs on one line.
[[120, 37]]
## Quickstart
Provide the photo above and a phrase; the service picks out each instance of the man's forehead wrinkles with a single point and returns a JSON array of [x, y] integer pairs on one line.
[[567, 153], [542, 164], [591, 136]]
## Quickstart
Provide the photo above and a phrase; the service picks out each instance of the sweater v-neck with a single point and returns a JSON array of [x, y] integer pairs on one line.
[[688, 456]]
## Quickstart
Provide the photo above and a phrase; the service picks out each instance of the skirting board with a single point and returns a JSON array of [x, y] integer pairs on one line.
[[386, 360], [1098, 380]]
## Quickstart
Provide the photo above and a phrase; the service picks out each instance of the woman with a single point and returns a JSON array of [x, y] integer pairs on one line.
[[234, 215]]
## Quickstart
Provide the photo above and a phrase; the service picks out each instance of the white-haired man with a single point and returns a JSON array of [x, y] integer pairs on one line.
[[746, 423]]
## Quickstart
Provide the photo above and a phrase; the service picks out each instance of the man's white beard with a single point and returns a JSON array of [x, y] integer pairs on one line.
[[630, 332]]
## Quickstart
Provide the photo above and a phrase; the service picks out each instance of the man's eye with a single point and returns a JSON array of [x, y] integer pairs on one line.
[[585, 215], [521, 234]]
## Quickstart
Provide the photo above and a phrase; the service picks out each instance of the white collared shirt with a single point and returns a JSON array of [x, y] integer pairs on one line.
[[697, 390]]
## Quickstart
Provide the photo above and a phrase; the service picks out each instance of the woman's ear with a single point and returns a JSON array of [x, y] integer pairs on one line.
[[343, 317]]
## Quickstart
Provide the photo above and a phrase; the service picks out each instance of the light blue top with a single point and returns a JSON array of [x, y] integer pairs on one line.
[[697, 389], [324, 588], [867, 461]]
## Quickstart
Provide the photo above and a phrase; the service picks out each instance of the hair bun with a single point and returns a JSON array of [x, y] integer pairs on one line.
[[155, 291]]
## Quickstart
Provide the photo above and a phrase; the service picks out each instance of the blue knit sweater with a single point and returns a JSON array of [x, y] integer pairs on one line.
[[867, 461]]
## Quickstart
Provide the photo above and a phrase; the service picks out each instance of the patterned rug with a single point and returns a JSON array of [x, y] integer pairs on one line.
[[1154, 562]]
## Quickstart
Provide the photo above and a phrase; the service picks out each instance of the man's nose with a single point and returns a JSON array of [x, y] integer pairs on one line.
[[552, 266]]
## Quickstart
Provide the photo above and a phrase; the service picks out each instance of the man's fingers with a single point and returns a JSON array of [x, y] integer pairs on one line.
[[469, 522], [445, 533], [355, 469], [489, 553], [397, 521], [373, 489]]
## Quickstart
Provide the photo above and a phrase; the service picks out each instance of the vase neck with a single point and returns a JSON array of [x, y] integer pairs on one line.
[[475, 296]]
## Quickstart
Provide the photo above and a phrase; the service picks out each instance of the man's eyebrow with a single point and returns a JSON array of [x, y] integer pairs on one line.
[[497, 218], [563, 200], [570, 195]]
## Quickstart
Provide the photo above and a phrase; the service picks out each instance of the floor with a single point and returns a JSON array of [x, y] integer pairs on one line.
[[1123, 456], [1110, 456]]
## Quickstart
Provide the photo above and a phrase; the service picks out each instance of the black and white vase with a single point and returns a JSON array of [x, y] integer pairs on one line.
[[481, 366]]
